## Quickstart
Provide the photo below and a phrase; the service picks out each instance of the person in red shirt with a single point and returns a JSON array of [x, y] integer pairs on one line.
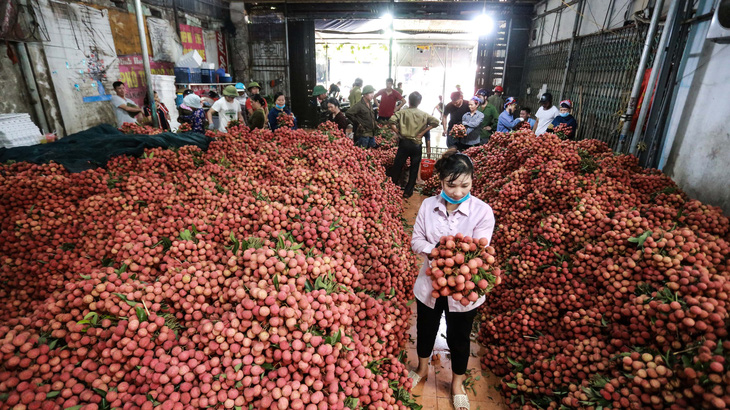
[[390, 101]]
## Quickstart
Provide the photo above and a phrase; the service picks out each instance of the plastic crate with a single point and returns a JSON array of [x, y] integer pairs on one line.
[[226, 79], [184, 75], [208, 76]]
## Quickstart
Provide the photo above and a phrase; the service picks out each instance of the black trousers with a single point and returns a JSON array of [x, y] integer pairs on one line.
[[406, 149], [458, 330]]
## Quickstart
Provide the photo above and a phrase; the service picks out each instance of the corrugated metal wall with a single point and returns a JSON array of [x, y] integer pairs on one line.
[[599, 81]]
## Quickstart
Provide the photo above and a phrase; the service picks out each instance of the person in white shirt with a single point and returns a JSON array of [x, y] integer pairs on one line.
[[124, 109], [228, 109], [545, 114]]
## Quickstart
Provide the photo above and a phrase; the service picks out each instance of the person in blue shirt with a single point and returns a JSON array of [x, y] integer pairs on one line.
[[279, 107], [565, 117], [507, 121]]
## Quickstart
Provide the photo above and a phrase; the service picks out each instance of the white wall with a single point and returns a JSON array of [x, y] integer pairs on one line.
[[697, 145]]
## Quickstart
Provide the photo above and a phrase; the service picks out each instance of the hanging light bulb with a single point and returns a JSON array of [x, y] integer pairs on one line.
[[483, 24]]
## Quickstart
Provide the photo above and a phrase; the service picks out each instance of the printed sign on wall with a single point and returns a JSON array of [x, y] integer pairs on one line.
[[222, 51], [131, 72], [192, 39]]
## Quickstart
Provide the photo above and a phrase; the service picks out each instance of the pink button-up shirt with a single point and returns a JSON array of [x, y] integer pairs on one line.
[[472, 218]]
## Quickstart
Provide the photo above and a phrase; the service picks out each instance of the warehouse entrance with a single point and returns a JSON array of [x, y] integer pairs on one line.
[[431, 57]]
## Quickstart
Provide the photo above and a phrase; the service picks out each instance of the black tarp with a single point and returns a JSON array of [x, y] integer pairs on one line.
[[96, 146]]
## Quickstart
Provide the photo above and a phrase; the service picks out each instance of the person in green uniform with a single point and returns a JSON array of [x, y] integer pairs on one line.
[[363, 116], [258, 117], [496, 98], [355, 93], [491, 115], [399, 88]]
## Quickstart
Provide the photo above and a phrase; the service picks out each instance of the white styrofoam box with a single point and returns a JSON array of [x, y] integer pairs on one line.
[[191, 60], [18, 130]]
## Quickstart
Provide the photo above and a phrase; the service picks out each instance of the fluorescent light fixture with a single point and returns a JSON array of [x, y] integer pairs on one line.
[[483, 24]]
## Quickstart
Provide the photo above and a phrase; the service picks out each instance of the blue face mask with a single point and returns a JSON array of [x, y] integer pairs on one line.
[[564, 114], [281, 107], [453, 202]]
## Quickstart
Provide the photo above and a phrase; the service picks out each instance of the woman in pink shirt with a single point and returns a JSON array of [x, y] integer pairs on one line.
[[453, 211]]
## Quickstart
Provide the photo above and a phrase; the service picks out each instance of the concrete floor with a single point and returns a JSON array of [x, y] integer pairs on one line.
[[435, 391]]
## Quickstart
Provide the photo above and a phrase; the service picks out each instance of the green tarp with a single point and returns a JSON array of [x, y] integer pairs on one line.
[[96, 146]]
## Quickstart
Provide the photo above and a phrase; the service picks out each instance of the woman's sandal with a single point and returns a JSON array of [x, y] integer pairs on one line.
[[461, 401], [415, 377]]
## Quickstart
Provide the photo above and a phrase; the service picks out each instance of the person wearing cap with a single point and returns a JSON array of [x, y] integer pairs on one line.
[[455, 111], [183, 110], [196, 119], [253, 89], [410, 125], [545, 114], [491, 116], [565, 117], [472, 121], [363, 119], [320, 102], [258, 118], [496, 98], [241, 89], [355, 92], [390, 101], [507, 121], [227, 109]]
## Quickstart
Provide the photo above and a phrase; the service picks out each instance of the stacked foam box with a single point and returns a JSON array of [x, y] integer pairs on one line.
[[167, 91], [18, 130]]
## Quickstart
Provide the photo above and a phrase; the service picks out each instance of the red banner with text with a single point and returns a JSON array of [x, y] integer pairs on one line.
[[131, 73], [222, 51], [192, 39]]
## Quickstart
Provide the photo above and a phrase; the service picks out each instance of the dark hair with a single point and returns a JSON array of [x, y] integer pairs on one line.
[[333, 101], [526, 109], [212, 94], [259, 99], [116, 84], [147, 98], [187, 92], [277, 95], [389, 80], [357, 83], [452, 164], [399, 84], [414, 99]]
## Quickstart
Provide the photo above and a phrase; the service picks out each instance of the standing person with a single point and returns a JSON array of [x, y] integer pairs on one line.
[[399, 88], [335, 90], [565, 118], [355, 92], [410, 125], [455, 110], [525, 115], [491, 116], [254, 89], [280, 107], [390, 101], [453, 211], [124, 109], [163, 114], [320, 102], [337, 116], [227, 108], [545, 114], [458, 88], [496, 98], [363, 119], [439, 107], [472, 120], [183, 111], [196, 119], [507, 121], [257, 120]]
